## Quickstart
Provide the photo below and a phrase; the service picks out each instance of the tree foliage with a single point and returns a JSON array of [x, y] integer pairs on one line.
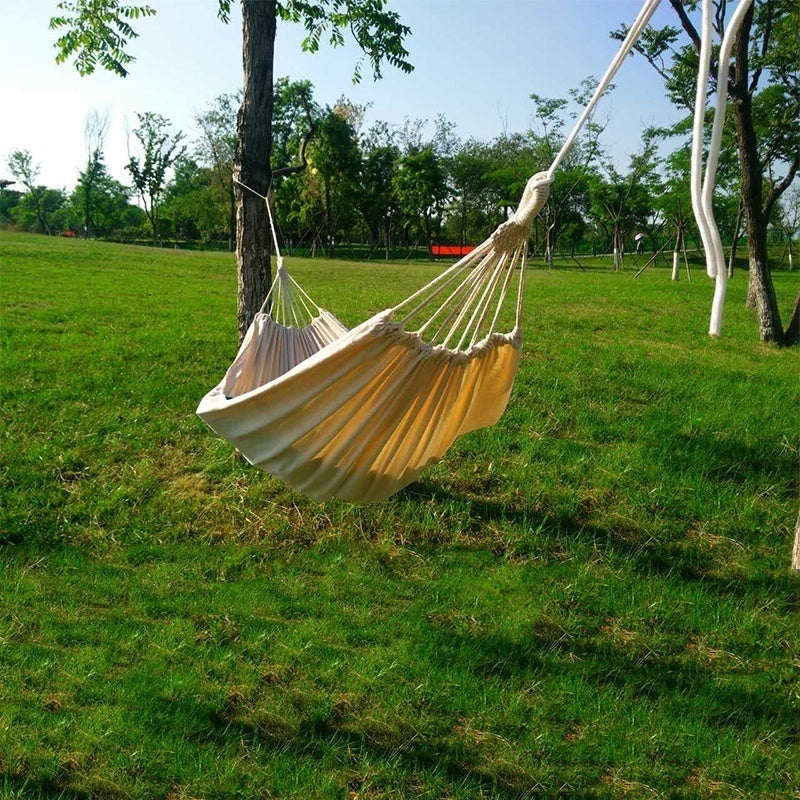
[[764, 92], [99, 202], [97, 32], [159, 148]]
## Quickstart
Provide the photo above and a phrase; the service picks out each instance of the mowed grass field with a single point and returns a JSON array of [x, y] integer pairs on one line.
[[590, 600]]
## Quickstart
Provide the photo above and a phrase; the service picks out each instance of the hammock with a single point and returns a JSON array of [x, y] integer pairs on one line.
[[359, 414]]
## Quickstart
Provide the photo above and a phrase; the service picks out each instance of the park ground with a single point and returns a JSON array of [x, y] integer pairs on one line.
[[590, 600]]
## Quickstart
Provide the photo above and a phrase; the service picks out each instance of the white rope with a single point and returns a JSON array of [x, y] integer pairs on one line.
[[465, 308], [506, 249], [481, 250], [483, 302], [269, 212], [639, 24], [461, 289], [289, 306], [504, 290]]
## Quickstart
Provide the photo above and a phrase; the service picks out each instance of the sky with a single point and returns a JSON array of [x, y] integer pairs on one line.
[[476, 62]]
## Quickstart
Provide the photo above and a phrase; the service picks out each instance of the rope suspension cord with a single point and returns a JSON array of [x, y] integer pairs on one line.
[[291, 304], [485, 272], [639, 24], [265, 198], [358, 414], [702, 186], [485, 286]]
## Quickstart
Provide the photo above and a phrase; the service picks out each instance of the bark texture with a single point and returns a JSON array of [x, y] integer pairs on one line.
[[761, 292], [792, 334], [252, 165]]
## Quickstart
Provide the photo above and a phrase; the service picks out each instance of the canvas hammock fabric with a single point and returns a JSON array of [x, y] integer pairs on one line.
[[358, 414]]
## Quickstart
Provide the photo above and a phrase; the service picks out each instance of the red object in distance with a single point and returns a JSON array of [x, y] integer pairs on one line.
[[451, 250]]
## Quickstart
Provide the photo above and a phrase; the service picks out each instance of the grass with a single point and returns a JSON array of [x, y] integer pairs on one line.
[[589, 600]]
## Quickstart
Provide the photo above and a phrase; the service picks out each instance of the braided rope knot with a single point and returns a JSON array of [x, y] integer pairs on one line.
[[516, 230]]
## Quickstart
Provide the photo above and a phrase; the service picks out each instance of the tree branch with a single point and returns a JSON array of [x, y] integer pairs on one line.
[[779, 188], [720, 18], [292, 170], [657, 67], [764, 46], [686, 23]]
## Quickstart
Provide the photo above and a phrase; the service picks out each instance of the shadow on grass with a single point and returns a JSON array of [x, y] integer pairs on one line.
[[720, 458], [672, 560], [408, 752], [328, 733], [13, 786], [738, 702]]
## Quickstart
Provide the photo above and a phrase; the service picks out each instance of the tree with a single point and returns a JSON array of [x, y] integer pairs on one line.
[[622, 203], [789, 221], [766, 119], [378, 201], [568, 192], [514, 159], [45, 211], [160, 148], [21, 165], [420, 185], [468, 189], [193, 205], [9, 200], [217, 150], [98, 31], [295, 116], [336, 162], [99, 203], [94, 136], [674, 204]]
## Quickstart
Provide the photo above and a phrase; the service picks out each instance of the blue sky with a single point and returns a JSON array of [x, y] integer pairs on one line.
[[477, 61]]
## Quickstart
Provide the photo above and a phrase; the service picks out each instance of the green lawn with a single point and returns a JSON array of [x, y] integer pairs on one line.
[[591, 599]]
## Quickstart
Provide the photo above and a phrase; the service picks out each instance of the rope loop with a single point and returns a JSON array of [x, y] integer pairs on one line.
[[516, 230]]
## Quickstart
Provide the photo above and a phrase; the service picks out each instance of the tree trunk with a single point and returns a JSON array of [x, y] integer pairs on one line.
[[252, 164], [43, 226], [736, 231], [761, 292], [231, 219], [328, 226], [792, 335], [676, 255], [87, 200], [151, 218]]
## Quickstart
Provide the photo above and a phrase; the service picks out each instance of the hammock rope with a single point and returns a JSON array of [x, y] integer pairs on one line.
[[286, 301], [358, 414]]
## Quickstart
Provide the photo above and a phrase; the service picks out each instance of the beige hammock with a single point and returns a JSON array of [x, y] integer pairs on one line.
[[359, 414]]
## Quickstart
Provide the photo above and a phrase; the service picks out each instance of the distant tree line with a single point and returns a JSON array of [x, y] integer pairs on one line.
[[388, 190]]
